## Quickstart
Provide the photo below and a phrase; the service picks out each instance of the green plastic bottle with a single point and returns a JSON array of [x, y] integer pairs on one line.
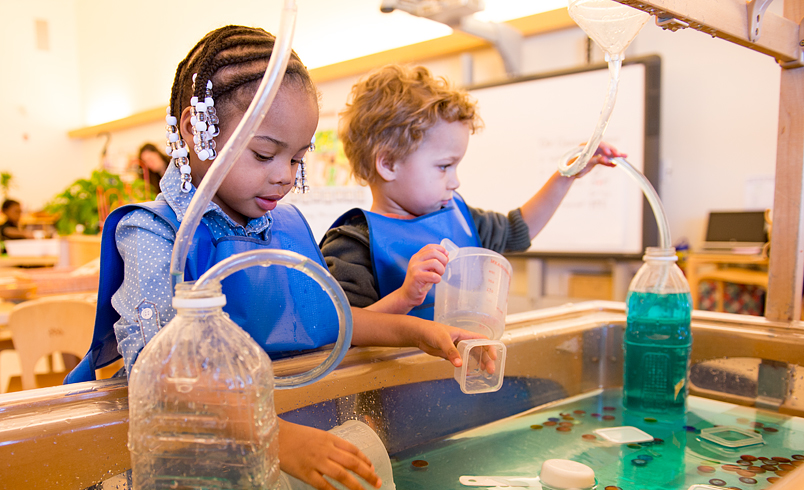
[[658, 338]]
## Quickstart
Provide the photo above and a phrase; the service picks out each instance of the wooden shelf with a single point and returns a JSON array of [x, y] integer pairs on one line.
[[736, 276], [724, 272]]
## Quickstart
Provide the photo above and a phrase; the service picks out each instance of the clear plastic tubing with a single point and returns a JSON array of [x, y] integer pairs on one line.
[[267, 257], [233, 148], [650, 194], [653, 199], [231, 151], [567, 166]]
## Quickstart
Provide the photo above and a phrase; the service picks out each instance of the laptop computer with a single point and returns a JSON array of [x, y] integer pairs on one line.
[[735, 232]]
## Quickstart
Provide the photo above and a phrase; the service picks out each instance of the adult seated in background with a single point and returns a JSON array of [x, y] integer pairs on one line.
[[10, 229], [153, 164]]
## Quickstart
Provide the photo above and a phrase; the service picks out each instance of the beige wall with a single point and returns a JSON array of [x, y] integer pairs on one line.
[[719, 101], [39, 96]]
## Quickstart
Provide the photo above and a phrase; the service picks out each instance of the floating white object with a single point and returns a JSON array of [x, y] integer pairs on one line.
[[731, 436], [566, 474], [624, 435], [500, 481]]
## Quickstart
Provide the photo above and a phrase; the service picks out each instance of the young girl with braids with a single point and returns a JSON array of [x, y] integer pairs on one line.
[[219, 78]]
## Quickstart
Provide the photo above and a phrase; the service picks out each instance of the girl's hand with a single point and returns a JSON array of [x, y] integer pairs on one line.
[[424, 269], [439, 340], [310, 454]]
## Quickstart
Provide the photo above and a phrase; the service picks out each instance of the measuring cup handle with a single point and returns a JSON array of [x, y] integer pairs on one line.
[[452, 249]]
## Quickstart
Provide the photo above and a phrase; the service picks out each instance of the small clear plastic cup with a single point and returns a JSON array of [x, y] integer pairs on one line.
[[475, 374]]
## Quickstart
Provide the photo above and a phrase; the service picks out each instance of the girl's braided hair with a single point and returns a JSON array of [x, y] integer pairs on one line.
[[235, 59]]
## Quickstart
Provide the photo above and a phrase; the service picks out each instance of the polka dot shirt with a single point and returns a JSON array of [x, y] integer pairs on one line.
[[145, 243]]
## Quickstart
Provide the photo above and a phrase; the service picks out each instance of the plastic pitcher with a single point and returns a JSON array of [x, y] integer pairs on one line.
[[473, 292], [473, 295]]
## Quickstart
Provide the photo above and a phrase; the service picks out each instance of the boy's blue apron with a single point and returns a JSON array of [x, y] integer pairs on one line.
[[282, 309], [394, 241]]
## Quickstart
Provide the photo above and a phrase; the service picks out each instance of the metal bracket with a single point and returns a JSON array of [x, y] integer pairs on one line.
[[772, 384], [756, 10], [670, 23]]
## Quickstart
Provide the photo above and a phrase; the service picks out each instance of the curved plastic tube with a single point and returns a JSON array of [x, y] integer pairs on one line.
[[653, 199], [566, 166], [658, 212], [237, 142], [293, 260]]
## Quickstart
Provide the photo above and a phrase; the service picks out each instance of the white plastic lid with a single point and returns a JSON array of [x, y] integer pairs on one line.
[[566, 474], [210, 302], [624, 435]]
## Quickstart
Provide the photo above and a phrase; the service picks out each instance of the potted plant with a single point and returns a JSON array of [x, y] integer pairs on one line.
[[84, 204], [6, 179]]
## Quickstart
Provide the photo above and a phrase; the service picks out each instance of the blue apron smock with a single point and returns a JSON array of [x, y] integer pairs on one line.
[[393, 241], [282, 309]]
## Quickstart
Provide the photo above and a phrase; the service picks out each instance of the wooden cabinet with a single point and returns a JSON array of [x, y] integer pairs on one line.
[[722, 268]]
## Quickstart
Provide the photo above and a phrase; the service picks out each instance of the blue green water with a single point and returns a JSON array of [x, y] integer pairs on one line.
[[518, 446], [657, 345]]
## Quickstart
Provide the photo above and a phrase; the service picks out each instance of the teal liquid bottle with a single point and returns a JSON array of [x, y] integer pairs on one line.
[[658, 338]]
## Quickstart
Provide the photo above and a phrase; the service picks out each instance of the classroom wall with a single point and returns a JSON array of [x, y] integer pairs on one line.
[[39, 97], [719, 100]]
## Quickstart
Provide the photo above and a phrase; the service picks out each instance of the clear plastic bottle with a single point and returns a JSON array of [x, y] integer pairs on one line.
[[658, 338], [201, 403]]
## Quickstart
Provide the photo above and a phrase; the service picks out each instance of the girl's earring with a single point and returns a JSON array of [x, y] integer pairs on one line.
[[177, 150], [300, 186]]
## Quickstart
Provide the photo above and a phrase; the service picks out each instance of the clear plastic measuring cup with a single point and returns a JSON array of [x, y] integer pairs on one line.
[[473, 292], [473, 295]]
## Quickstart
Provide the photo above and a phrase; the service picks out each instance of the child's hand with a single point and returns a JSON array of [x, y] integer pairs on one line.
[[605, 152], [424, 269], [439, 340], [310, 454], [603, 156]]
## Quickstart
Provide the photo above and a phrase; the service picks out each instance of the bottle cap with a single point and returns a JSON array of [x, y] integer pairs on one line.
[[210, 302], [566, 474]]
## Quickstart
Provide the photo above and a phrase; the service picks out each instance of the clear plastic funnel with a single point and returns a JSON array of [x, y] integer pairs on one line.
[[610, 24]]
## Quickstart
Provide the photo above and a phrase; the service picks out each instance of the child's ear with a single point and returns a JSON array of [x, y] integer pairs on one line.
[[385, 168], [186, 126]]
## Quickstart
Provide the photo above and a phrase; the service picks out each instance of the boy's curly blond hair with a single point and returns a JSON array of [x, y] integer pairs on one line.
[[390, 112]]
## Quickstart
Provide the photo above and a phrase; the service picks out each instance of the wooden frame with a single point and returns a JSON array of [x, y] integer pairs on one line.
[[782, 38], [728, 19]]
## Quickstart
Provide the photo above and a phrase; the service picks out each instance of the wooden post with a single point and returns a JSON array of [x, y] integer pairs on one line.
[[786, 270]]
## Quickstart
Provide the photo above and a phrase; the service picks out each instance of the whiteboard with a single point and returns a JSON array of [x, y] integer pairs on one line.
[[530, 123]]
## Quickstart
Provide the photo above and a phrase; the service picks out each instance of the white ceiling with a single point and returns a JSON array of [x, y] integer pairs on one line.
[[361, 29]]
